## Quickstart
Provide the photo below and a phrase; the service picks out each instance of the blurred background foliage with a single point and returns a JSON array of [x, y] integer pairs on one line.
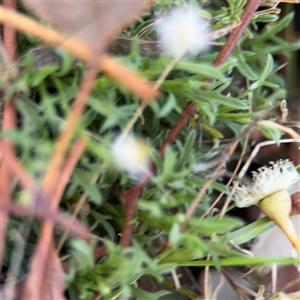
[[251, 83]]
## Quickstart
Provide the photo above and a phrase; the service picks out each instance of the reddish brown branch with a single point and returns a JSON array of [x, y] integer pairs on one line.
[[53, 175], [74, 156], [43, 211], [221, 58], [18, 171], [133, 194], [9, 33], [8, 122]]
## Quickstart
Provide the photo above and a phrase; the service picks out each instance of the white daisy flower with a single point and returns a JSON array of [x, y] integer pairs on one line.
[[183, 32], [269, 191], [131, 155], [267, 181]]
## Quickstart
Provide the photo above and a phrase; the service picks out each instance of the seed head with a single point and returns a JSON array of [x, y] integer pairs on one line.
[[183, 32], [131, 155]]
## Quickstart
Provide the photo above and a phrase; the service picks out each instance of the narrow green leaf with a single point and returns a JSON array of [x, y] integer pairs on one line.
[[140, 294], [242, 261], [179, 255], [279, 49], [246, 70], [275, 28], [214, 226], [187, 149], [228, 65], [264, 74], [66, 63], [225, 100], [215, 133], [41, 74], [167, 107], [84, 179], [206, 108], [270, 133], [201, 69], [251, 231], [235, 116], [266, 18]]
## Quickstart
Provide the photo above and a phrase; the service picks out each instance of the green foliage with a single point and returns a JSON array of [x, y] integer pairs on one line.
[[44, 97]]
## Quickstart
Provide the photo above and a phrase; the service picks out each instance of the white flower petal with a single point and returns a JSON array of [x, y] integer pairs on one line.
[[183, 32], [267, 181]]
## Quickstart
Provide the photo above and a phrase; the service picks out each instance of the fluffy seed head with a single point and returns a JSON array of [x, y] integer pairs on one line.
[[131, 155], [281, 175], [183, 32]]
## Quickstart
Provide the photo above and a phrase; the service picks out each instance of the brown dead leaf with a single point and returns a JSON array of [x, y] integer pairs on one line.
[[94, 22], [47, 286]]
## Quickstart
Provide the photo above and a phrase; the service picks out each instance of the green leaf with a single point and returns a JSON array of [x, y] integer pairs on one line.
[[186, 151], [265, 18], [201, 69], [242, 261], [174, 234], [179, 255], [84, 179], [251, 231], [264, 74], [100, 150], [153, 207], [228, 65], [272, 30], [215, 133], [279, 49], [214, 226], [236, 116], [102, 220], [104, 106], [140, 294], [207, 110], [41, 74], [167, 107], [168, 165], [246, 70], [225, 100], [83, 253], [270, 133], [66, 64]]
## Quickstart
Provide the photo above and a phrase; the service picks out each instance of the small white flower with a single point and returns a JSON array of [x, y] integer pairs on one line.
[[183, 32], [131, 155], [267, 181]]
